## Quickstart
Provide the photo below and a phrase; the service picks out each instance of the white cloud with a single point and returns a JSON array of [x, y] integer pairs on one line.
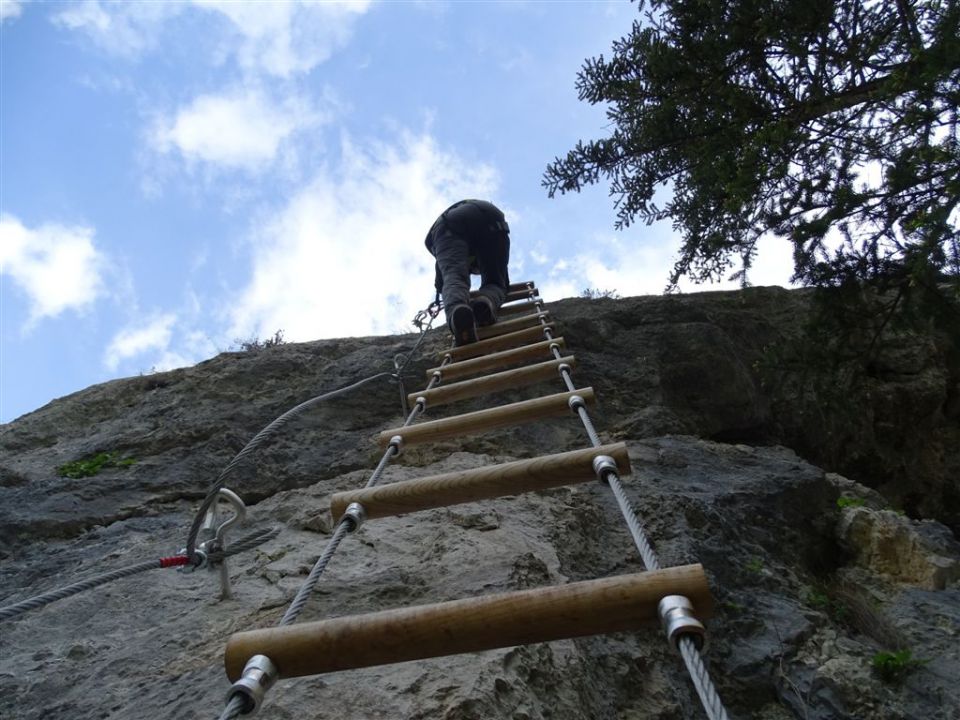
[[642, 266], [126, 29], [138, 339], [276, 38], [56, 266], [284, 38], [10, 9], [242, 128], [161, 341], [345, 257]]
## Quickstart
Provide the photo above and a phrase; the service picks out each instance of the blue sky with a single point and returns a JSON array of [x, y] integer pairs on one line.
[[175, 176]]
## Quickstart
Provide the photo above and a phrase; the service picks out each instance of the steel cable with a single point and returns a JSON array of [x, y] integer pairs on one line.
[[237, 704], [48, 597], [234, 708], [255, 443], [303, 594], [588, 426], [647, 553], [247, 542], [276, 425], [712, 704], [709, 698], [38, 601]]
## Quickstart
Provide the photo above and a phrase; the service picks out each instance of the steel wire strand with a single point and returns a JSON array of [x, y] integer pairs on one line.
[[697, 670], [647, 553], [276, 425], [255, 443], [234, 708], [48, 597], [588, 426], [303, 594], [343, 527], [706, 691], [237, 705], [246, 543]]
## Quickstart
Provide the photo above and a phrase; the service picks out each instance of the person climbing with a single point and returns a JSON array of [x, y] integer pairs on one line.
[[470, 237]]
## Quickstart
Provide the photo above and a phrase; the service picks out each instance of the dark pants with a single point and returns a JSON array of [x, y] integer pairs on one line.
[[465, 234]]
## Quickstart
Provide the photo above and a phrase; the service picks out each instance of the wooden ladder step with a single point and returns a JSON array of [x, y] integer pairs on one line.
[[483, 483], [500, 342], [521, 294], [511, 287], [518, 377], [508, 326], [517, 308], [489, 419], [493, 361], [592, 607]]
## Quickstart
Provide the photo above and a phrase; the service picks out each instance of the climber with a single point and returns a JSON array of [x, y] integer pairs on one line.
[[471, 236]]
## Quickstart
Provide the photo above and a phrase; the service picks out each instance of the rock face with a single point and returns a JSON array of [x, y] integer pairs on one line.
[[808, 590]]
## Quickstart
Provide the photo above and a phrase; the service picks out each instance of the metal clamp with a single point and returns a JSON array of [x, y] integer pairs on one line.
[[678, 620], [576, 402], [564, 368], [422, 402], [438, 375], [603, 464], [199, 560], [396, 442], [554, 346], [215, 533], [259, 675], [357, 514]]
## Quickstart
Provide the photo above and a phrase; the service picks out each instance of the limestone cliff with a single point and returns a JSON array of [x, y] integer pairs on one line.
[[726, 473]]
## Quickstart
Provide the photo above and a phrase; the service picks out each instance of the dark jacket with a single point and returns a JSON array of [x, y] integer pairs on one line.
[[478, 221]]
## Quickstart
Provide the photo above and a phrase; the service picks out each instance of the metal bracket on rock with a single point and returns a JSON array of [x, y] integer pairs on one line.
[[213, 532]]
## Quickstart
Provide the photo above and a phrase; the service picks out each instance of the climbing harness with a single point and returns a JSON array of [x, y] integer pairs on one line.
[[673, 595]]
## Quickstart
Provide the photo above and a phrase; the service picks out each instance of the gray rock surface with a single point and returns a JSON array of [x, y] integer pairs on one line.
[[805, 595]]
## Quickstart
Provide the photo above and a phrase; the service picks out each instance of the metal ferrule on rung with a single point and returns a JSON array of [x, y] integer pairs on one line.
[[678, 620]]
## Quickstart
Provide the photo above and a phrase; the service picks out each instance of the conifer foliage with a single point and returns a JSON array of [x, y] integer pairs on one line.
[[831, 123]]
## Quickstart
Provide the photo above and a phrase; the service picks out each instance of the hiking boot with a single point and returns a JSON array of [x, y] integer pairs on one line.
[[483, 310], [463, 325]]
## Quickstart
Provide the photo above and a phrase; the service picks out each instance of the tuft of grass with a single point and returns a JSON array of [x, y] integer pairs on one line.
[[893, 666], [90, 466], [820, 600], [845, 502], [755, 565], [598, 294], [255, 344]]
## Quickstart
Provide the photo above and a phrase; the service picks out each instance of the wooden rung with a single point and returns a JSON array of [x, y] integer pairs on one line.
[[489, 419], [516, 309], [592, 607], [493, 361], [483, 483], [518, 377], [511, 287], [500, 342], [520, 294], [507, 326]]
